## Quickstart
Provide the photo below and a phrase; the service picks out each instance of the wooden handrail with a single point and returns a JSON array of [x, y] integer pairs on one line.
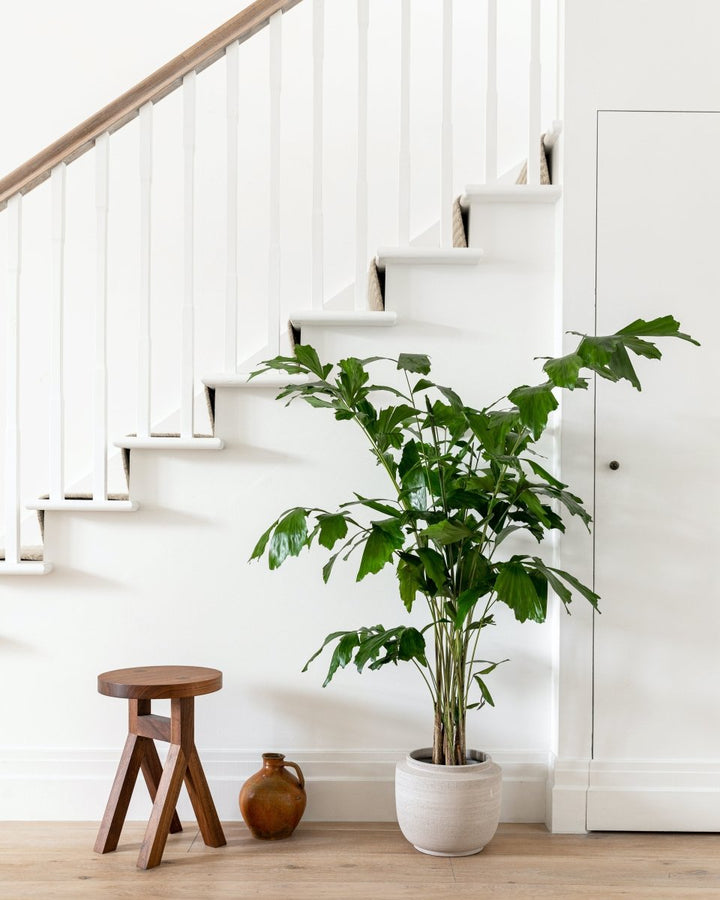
[[153, 88]]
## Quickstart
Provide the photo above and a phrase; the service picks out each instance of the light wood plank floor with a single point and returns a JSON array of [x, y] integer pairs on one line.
[[338, 861]]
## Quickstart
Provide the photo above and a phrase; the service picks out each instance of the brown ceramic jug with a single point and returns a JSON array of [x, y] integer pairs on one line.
[[272, 800]]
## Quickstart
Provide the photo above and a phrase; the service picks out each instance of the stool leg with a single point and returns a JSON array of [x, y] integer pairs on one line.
[[152, 772], [202, 802], [166, 800], [120, 795]]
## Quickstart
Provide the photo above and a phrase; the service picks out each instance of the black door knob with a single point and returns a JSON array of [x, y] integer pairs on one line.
[[614, 465]]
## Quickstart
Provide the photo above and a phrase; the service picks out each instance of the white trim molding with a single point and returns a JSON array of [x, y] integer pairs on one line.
[[654, 795], [567, 782], [68, 784]]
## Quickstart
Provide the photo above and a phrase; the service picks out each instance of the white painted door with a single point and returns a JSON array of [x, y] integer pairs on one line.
[[656, 741]]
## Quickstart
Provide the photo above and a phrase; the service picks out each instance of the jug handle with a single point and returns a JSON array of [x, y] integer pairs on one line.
[[300, 776]]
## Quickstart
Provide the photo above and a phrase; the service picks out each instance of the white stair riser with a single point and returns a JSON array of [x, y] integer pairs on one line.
[[518, 233], [466, 318]]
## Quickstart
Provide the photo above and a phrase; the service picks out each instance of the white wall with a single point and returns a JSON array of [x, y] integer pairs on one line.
[[170, 583], [656, 55]]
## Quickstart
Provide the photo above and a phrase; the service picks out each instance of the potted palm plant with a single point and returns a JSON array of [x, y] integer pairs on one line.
[[461, 480]]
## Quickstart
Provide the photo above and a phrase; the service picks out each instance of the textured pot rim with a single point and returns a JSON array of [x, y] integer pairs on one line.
[[421, 759]]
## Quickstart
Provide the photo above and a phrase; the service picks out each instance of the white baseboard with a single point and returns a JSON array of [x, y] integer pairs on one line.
[[62, 784], [567, 795], [654, 795]]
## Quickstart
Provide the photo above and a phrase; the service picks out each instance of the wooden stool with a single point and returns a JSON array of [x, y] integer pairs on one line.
[[179, 684]]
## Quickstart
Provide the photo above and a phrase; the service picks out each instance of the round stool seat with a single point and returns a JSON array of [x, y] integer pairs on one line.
[[159, 682]]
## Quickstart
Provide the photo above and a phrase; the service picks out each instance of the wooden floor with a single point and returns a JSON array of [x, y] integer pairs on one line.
[[369, 861]]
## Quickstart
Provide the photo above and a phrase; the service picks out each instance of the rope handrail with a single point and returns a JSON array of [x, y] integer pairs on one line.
[[153, 88]]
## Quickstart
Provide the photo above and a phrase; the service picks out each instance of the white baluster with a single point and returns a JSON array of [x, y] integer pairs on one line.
[[317, 201], [404, 161], [446, 164], [361, 190], [12, 382], [275, 28], [231, 282], [558, 60], [144, 336], [187, 377], [57, 398], [491, 95], [534, 125], [100, 467]]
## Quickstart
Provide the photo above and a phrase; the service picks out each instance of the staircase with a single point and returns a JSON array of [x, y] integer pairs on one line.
[[133, 366]]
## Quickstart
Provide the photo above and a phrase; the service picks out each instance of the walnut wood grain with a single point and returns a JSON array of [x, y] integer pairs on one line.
[[143, 723], [157, 728], [159, 682], [120, 794], [153, 88], [152, 773], [202, 802], [140, 685], [163, 809], [182, 724]]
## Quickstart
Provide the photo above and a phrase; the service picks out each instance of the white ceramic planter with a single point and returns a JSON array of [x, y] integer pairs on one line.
[[448, 810]]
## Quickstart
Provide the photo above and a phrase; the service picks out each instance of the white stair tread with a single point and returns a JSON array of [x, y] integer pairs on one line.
[[169, 442], [510, 193], [365, 318], [266, 380], [31, 563], [86, 503], [428, 256], [25, 567]]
